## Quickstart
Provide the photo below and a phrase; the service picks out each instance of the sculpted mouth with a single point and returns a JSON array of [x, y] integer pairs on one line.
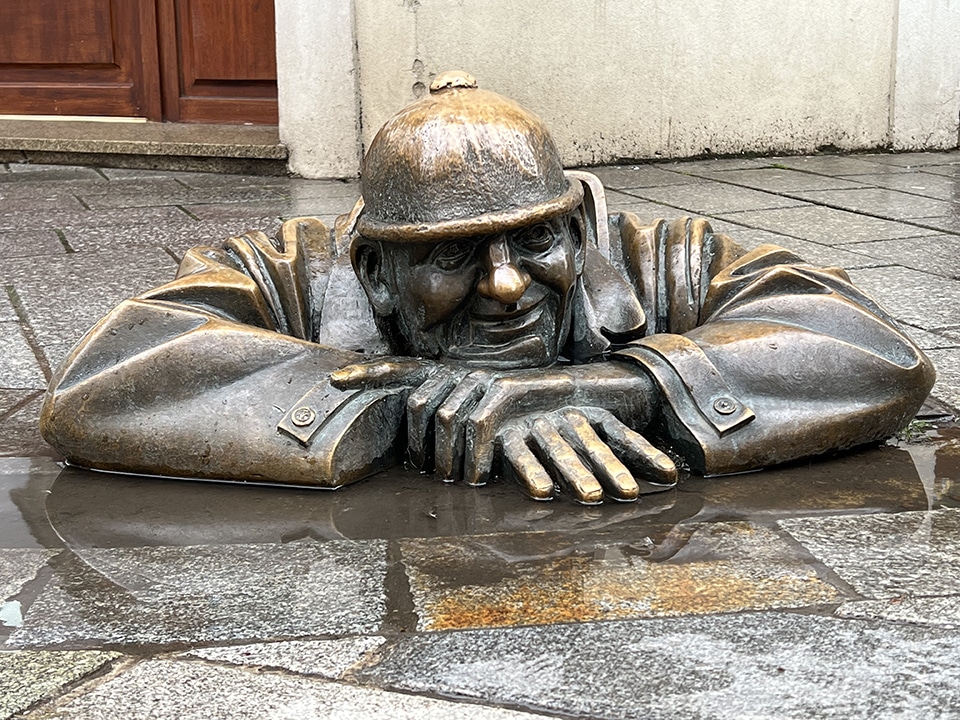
[[507, 340], [516, 311], [507, 323]]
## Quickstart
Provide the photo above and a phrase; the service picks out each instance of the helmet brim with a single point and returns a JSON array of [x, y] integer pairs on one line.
[[486, 224]]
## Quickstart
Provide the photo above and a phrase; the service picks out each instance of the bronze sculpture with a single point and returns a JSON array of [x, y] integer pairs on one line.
[[481, 308]]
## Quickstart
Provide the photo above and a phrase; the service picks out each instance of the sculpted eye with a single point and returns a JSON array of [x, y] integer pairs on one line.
[[536, 239], [452, 255]]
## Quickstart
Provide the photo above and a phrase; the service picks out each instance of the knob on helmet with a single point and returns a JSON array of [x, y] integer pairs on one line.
[[461, 161]]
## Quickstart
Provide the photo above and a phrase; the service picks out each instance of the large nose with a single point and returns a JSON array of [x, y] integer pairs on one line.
[[504, 281]]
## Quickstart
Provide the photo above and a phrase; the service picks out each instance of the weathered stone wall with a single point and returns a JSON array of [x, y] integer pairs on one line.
[[629, 79], [648, 78]]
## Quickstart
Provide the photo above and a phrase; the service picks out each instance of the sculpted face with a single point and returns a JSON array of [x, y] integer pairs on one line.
[[499, 301]]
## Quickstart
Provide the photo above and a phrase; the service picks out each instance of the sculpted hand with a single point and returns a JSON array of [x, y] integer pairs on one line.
[[588, 451], [528, 414]]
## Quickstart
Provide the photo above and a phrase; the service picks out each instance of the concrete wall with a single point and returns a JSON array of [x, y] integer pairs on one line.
[[317, 87], [926, 104], [629, 79]]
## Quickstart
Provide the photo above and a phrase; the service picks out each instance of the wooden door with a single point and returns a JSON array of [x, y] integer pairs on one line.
[[79, 57], [218, 60]]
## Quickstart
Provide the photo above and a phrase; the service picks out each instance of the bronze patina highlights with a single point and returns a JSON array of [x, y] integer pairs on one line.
[[481, 311]]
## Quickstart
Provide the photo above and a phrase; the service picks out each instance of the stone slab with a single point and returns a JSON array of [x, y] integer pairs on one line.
[[886, 556], [837, 164], [48, 203], [880, 202], [935, 254], [930, 340], [64, 219], [164, 595], [18, 364], [913, 297], [20, 432], [920, 610], [719, 164], [30, 243], [64, 296], [501, 581], [645, 210], [326, 658], [946, 170], [637, 176], [28, 677], [130, 197], [712, 198], [778, 180], [218, 212], [178, 236], [918, 159], [7, 312], [827, 226], [19, 566], [946, 223], [947, 387], [20, 172], [196, 691], [924, 184], [752, 665], [815, 253], [24, 487]]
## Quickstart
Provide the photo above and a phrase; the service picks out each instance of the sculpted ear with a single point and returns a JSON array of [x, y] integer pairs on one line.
[[369, 264]]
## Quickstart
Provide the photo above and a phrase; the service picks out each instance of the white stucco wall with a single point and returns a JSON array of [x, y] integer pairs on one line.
[[618, 79], [629, 79], [926, 108], [317, 87]]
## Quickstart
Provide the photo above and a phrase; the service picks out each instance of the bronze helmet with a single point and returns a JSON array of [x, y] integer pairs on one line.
[[461, 161]]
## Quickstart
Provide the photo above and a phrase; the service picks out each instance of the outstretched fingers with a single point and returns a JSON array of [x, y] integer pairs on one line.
[[567, 466], [613, 475], [645, 460], [586, 452], [531, 473]]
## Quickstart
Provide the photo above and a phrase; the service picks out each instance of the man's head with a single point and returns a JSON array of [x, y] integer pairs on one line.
[[470, 243]]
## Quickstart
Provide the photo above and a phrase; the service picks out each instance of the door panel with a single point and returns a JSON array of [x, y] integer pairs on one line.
[[218, 60], [79, 57]]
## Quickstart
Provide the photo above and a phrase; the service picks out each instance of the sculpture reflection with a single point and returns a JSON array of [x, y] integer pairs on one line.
[[515, 326]]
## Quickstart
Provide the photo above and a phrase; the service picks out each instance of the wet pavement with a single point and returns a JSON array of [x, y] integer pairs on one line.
[[827, 588]]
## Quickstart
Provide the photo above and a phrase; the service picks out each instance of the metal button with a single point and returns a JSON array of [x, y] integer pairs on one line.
[[303, 416], [725, 406]]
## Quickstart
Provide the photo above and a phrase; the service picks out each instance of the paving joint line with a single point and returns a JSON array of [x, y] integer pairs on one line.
[[18, 406], [26, 329], [913, 222]]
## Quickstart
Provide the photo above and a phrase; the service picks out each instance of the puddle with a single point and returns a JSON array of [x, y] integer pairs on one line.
[[88, 509], [457, 556]]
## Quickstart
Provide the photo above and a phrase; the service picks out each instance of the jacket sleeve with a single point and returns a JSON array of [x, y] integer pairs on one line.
[[760, 357], [214, 375]]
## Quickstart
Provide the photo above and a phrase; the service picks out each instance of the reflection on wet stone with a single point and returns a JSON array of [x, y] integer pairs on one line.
[[159, 595], [885, 556], [699, 568]]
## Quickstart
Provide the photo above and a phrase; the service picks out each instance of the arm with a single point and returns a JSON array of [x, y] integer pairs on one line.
[[203, 377], [761, 358]]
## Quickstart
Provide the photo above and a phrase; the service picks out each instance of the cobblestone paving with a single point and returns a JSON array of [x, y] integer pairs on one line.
[[828, 589]]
